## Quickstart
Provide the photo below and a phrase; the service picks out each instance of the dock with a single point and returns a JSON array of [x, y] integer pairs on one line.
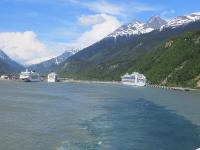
[[169, 88]]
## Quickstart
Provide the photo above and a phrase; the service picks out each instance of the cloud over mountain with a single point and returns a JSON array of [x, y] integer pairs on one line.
[[91, 19], [99, 30], [23, 46]]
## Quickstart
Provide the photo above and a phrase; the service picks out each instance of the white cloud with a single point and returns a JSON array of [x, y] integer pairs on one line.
[[98, 31], [38, 60], [99, 6], [26, 48], [91, 19], [23, 46], [118, 8], [137, 7], [105, 7], [168, 14]]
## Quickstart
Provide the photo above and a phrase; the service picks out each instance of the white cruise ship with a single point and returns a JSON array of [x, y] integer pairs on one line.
[[135, 79], [4, 77], [29, 76], [52, 77]]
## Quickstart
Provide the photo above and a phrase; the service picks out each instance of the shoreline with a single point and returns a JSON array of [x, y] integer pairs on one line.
[[186, 89], [90, 81], [119, 83]]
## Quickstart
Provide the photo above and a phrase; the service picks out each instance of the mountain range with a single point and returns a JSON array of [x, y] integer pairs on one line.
[[51, 64], [136, 27], [154, 23], [132, 47], [183, 20], [120, 51], [8, 66]]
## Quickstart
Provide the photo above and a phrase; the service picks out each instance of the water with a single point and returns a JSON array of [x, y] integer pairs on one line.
[[67, 116]]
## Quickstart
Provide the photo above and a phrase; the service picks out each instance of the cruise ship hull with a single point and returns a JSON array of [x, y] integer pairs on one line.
[[30, 80], [51, 80], [133, 84]]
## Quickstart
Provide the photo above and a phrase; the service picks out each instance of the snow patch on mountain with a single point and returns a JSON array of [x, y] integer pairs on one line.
[[154, 23], [183, 20], [59, 59], [137, 27], [47, 65]]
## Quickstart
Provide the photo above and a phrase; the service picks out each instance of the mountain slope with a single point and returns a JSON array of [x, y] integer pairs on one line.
[[7, 65], [176, 62], [51, 64], [123, 36], [108, 60]]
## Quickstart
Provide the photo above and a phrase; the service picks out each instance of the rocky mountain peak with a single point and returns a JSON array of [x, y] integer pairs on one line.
[[155, 22]]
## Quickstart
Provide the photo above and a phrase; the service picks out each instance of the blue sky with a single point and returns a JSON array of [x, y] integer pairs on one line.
[[35, 30]]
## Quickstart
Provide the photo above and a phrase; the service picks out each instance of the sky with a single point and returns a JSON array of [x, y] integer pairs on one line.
[[32, 31]]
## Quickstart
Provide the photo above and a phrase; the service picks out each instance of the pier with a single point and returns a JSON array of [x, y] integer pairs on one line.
[[169, 88]]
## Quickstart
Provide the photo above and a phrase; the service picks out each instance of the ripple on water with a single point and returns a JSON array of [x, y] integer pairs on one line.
[[37, 116], [86, 145], [138, 124]]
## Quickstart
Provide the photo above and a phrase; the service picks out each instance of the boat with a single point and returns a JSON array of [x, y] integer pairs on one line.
[[29, 76], [4, 77], [52, 77], [135, 79]]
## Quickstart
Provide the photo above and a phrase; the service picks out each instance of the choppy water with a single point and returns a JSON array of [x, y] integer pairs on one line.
[[66, 116]]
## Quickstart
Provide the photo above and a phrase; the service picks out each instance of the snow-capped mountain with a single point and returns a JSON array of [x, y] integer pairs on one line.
[[120, 52], [182, 20], [49, 64], [154, 23], [59, 59], [137, 27]]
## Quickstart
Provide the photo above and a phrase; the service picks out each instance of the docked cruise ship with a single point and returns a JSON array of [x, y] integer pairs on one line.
[[52, 77], [4, 77], [135, 79], [29, 76]]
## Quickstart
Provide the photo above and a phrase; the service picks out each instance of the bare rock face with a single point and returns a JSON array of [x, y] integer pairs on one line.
[[197, 40], [155, 22], [168, 44], [198, 84]]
